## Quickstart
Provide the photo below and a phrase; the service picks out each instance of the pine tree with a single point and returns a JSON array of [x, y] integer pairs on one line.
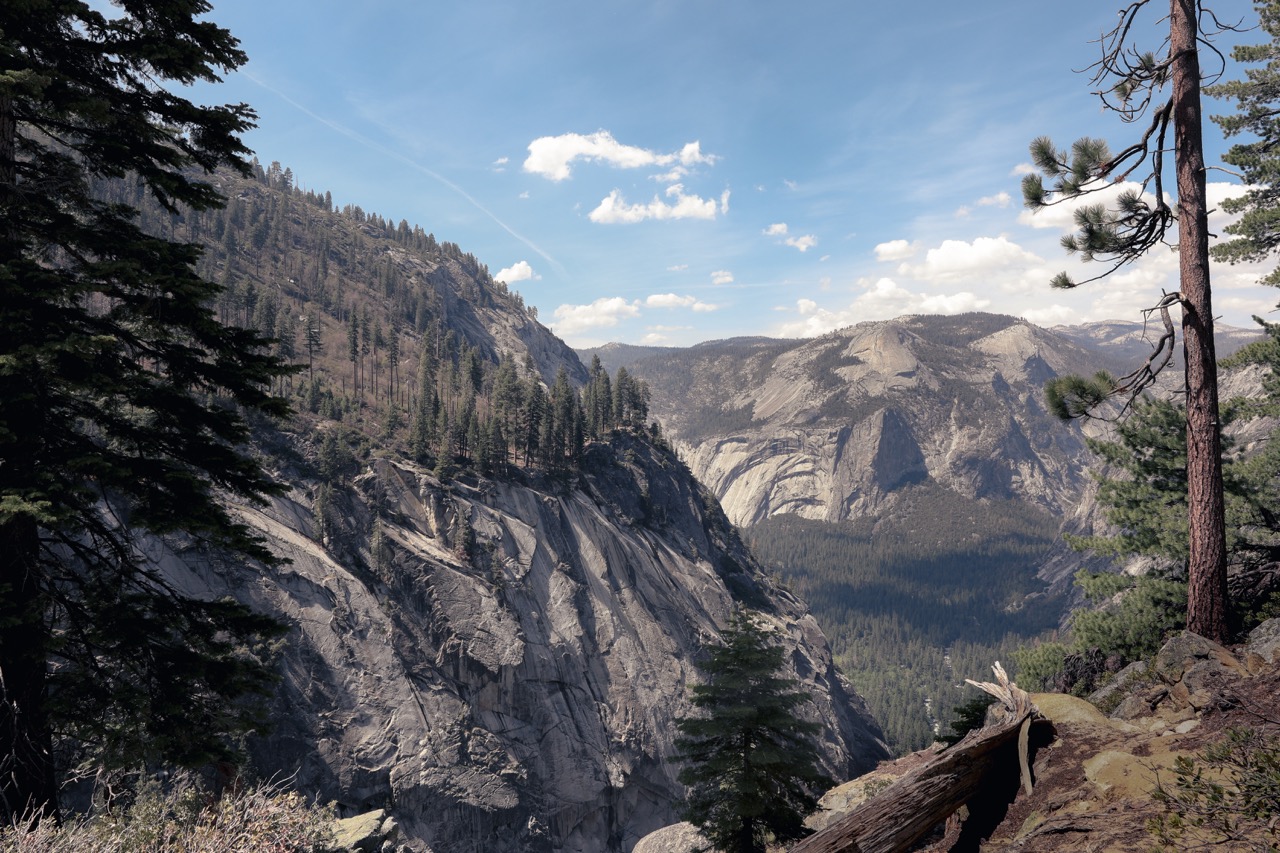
[[751, 764], [120, 396], [1132, 84], [1257, 97]]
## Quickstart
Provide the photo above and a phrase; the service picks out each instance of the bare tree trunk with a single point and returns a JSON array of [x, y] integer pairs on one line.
[[1207, 567]]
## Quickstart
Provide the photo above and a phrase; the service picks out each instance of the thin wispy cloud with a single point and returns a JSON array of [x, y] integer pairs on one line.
[[396, 155]]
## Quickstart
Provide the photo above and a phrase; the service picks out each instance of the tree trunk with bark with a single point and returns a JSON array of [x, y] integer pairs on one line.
[[1207, 564]]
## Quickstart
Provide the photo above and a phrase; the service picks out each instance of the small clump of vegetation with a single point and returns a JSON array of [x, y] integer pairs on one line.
[[1224, 798], [184, 817]]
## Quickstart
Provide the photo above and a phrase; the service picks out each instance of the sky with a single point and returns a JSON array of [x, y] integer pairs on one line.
[[662, 172]]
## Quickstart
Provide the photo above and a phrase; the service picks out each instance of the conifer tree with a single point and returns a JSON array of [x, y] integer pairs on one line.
[[1133, 84], [120, 395], [1257, 232], [751, 764]]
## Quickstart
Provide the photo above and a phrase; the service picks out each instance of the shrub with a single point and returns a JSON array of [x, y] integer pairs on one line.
[[1226, 798]]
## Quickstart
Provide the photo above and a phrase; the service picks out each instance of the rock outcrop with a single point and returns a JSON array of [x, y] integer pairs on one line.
[[1095, 775], [498, 665]]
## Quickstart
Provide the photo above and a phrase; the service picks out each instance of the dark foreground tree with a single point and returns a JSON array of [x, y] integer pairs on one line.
[[121, 397], [1162, 94], [751, 764]]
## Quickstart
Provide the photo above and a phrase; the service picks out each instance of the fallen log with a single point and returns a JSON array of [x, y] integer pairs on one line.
[[903, 813]]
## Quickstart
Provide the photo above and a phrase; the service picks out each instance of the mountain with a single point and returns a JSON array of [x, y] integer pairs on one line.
[[500, 663], [492, 623], [833, 428], [905, 477], [615, 355], [1123, 345]]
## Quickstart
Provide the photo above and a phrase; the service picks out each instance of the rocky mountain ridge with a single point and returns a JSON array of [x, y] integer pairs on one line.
[[834, 428], [830, 428], [498, 664]]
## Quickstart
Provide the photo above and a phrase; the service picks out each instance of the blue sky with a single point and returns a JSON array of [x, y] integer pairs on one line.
[[671, 172]]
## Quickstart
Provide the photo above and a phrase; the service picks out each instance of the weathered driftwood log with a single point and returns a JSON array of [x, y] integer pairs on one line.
[[904, 812]]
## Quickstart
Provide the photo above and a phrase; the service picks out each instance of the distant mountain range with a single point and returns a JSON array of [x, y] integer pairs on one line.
[[832, 428]]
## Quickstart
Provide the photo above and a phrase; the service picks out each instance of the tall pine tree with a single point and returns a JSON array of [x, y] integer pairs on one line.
[[751, 764], [1162, 93], [120, 395]]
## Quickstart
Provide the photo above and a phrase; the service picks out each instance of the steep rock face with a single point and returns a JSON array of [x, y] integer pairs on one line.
[[500, 665], [838, 424]]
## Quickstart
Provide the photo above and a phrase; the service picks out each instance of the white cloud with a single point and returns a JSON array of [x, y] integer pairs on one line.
[[519, 271], [551, 156], [614, 209], [524, 194], [669, 300], [1052, 315], [1024, 169], [957, 260], [779, 229], [881, 300], [721, 277], [804, 244], [895, 250], [1000, 200], [604, 312], [677, 268], [1061, 215], [500, 165], [724, 202]]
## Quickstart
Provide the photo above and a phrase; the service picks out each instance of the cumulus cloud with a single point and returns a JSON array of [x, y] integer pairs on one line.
[[519, 271], [672, 300], [1000, 199], [604, 312], [552, 156], [881, 300], [779, 229], [669, 300], [895, 250], [614, 209], [721, 277], [1052, 315], [1023, 169], [957, 260], [1061, 215]]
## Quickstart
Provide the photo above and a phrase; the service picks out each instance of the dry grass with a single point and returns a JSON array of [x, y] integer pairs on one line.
[[186, 819]]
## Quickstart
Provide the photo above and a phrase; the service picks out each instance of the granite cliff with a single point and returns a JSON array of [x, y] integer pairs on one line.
[[498, 664], [831, 428]]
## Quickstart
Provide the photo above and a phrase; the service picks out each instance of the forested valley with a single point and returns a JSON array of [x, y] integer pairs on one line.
[[914, 606]]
